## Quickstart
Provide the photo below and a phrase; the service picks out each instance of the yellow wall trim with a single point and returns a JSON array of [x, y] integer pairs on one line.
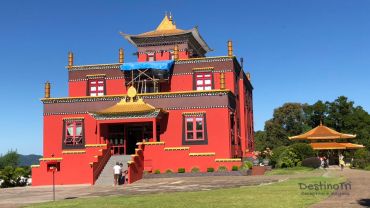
[[51, 159], [176, 148], [95, 145], [203, 69], [73, 152], [35, 166], [150, 143], [228, 160], [202, 154]]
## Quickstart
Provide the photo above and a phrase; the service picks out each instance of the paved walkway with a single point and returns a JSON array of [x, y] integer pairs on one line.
[[357, 196], [17, 197]]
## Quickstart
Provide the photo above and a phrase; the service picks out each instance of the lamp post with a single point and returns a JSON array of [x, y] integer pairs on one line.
[[53, 170]]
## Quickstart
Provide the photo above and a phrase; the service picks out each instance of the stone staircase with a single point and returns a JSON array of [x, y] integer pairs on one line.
[[106, 176]]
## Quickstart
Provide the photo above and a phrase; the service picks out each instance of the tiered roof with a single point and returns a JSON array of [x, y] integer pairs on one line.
[[322, 132], [167, 28]]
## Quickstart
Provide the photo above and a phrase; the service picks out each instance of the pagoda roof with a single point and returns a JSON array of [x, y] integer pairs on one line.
[[124, 106], [334, 145], [168, 28], [322, 132], [131, 108]]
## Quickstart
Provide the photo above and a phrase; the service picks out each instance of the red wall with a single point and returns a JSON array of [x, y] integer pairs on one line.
[[112, 86], [217, 130]]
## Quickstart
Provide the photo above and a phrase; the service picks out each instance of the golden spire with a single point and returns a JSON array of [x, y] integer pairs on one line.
[[121, 56], [229, 48], [176, 52], [70, 60], [166, 24], [222, 81], [47, 89]]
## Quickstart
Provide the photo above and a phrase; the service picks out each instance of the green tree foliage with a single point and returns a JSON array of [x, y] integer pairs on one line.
[[13, 176], [295, 118], [9, 159], [303, 150], [288, 159]]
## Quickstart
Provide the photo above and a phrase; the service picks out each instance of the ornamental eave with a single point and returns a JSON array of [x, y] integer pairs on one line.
[[193, 93]]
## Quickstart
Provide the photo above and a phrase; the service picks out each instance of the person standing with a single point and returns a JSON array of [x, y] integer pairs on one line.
[[341, 162], [117, 170]]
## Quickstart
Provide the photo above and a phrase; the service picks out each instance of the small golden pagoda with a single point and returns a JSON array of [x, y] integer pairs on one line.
[[131, 107], [324, 138]]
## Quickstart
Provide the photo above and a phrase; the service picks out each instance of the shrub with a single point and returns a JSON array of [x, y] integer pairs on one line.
[[210, 170], [276, 154], [195, 170], [157, 172], [362, 154], [246, 165], [311, 162], [302, 150], [222, 169], [288, 159], [235, 168], [169, 171], [181, 170], [359, 163], [367, 167]]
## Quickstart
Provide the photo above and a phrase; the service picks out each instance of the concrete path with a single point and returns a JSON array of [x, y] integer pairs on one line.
[[17, 197], [357, 196]]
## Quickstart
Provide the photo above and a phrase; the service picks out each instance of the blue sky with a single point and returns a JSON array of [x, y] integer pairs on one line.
[[296, 51]]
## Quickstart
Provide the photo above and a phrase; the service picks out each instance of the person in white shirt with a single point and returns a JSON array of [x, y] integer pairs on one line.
[[117, 171]]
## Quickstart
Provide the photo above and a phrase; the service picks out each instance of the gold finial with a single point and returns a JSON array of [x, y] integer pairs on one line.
[[166, 24], [222, 81], [229, 48], [170, 17], [176, 52], [70, 60], [47, 89], [121, 57], [131, 93], [320, 122], [249, 76]]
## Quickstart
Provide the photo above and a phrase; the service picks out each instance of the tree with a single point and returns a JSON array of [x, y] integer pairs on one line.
[[11, 158], [294, 118], [288, 120]]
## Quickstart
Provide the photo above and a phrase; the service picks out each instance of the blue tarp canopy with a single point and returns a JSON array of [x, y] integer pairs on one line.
[[162, 65]]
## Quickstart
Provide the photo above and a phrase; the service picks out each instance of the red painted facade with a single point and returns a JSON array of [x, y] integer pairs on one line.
[[202, 112]]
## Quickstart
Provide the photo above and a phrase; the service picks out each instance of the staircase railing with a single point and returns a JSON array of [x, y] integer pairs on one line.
[[102, 162]]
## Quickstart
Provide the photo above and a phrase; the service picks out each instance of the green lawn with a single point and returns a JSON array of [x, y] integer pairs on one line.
[[284, 194], [289, 171]]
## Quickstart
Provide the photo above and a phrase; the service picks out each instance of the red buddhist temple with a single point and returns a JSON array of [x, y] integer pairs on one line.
[[173, 108]]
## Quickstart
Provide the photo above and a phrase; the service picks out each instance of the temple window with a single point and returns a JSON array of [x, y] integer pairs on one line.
[[151, 57], [203, 81], [73, 134], [194, 128], [96, 87]]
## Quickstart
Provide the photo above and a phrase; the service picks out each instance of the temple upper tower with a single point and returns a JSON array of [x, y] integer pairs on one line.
[[166, 40]]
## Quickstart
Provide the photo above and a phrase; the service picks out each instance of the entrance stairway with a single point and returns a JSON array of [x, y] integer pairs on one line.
[[106, 176]]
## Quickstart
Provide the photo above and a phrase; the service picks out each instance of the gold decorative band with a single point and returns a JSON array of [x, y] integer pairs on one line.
[[51, 159], [96, 75], [228, 160], [203, 69], [176, 148], [95, 145], [193, 113], [150, 143], [202, 154], [74, 118], [35, 166], [73, 152]]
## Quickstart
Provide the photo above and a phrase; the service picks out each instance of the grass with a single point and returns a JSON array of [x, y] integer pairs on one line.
[[289, 171], [283, 194]]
